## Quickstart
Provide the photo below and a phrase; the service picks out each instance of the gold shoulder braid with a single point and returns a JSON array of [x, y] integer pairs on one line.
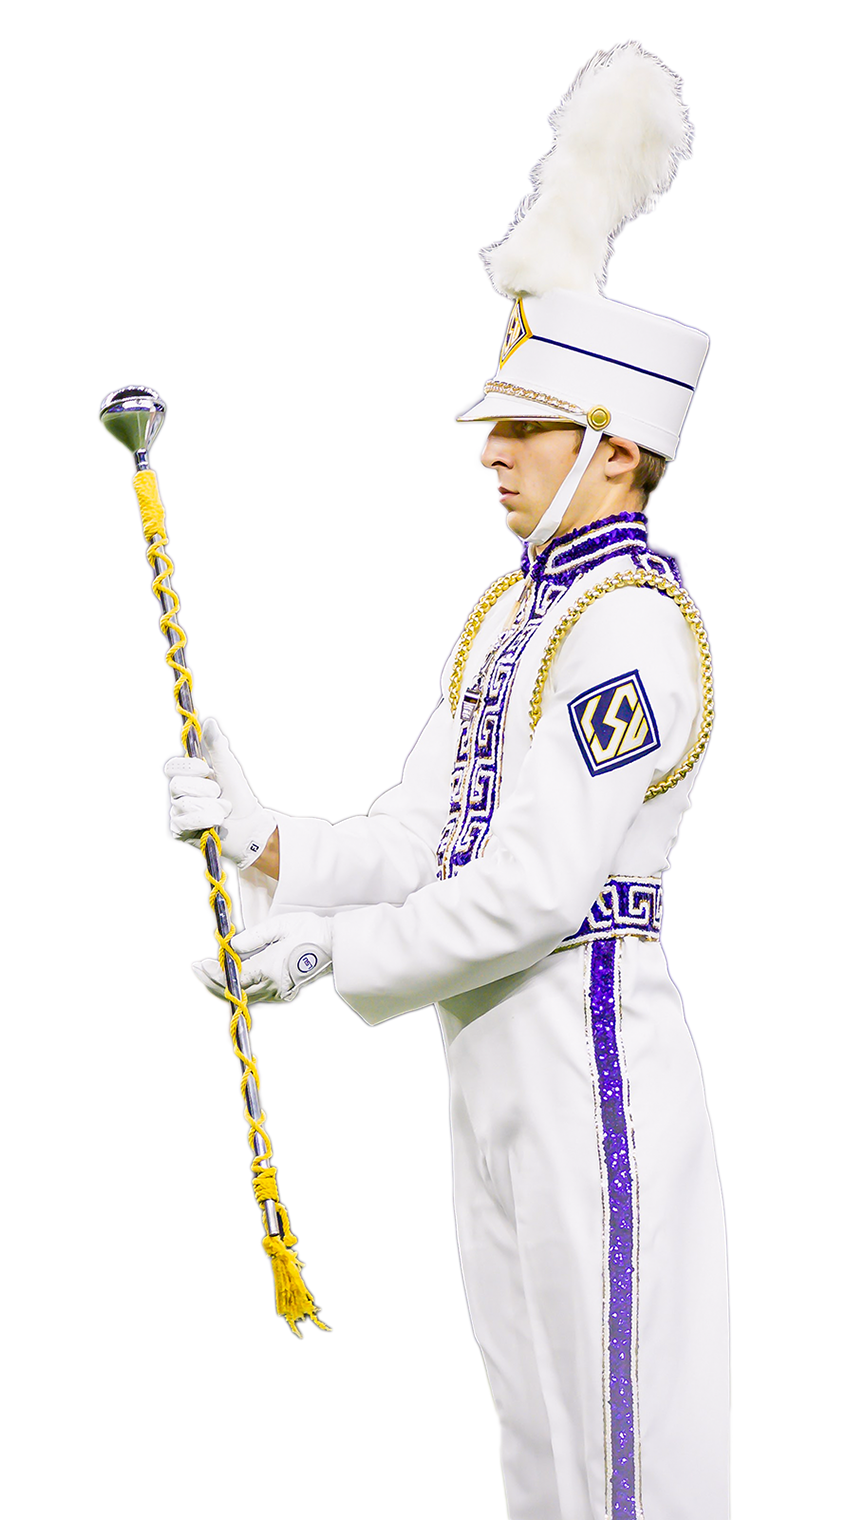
[[693, 618], [470, 629]]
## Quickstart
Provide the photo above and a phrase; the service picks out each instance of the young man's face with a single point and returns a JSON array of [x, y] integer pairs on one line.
[[530, 459]]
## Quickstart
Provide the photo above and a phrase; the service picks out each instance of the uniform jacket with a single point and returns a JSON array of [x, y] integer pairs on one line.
[[492, 850]]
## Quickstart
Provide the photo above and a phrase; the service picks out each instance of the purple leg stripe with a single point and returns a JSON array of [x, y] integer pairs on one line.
[[621, 1411]]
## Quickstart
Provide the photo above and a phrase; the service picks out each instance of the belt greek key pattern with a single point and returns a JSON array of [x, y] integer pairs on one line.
[[627, 905]]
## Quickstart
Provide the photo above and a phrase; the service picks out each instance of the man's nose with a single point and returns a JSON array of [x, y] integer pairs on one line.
[[497, 451]]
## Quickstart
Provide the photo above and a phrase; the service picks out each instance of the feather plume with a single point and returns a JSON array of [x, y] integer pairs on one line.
[[620, 132]]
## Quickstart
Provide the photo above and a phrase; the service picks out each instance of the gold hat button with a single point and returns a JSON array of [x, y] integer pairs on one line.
[[599, 418]]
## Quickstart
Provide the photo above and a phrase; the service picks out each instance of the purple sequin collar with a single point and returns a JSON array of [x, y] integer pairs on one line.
[[583, 548]]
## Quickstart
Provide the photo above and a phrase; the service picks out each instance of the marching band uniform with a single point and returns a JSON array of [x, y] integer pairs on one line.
[[513, 878], [586, 1194]]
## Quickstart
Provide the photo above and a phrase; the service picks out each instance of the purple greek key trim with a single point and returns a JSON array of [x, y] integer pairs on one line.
[[477, 771], [626, 906], [620, 1284]]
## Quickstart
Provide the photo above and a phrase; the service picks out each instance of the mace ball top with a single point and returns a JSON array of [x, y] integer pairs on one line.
[[134, 414]]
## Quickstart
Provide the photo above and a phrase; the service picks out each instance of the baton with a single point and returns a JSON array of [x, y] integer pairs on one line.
[[135, 416]]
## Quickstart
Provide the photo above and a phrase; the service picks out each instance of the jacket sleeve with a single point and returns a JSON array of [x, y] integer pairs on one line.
[[381, 856], [553, 838]]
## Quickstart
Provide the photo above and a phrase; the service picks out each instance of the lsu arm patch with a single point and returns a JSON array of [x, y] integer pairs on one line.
[[614, 723]]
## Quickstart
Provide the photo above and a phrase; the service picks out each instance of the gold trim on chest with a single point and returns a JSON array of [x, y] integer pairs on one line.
[[564, 625]]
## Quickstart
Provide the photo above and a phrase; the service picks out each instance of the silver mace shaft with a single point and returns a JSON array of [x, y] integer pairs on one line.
[[134, 417]]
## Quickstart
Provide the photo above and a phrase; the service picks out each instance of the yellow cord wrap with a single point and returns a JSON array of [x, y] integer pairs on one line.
[[151, 506], [293, 1299], [162, 569]]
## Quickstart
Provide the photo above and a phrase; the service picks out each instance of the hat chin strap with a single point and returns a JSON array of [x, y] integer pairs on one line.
[[551, 519]]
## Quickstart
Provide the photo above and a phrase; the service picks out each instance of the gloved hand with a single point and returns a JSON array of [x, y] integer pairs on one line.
[[278, 957], [205, 793]]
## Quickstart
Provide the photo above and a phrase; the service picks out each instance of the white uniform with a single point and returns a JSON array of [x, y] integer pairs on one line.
[[587, 1200]]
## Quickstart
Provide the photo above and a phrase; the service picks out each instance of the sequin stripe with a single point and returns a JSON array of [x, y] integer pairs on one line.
[[636, 1510], [622, 538], [577, 538], [575, 559], [620, 1233], [620, 547]]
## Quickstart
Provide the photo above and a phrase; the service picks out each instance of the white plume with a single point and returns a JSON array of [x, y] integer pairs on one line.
[[620, 132]]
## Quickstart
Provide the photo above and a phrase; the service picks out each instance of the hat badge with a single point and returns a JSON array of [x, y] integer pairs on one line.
[[517, 332]]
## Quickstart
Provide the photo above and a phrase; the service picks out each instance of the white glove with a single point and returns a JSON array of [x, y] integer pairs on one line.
[[278, 957], [204, 793]]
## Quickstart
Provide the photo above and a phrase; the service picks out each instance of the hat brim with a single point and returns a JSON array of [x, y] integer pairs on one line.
[[496, 407]]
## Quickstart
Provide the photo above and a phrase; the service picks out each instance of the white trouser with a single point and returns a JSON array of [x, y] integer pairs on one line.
[[591, 1237]]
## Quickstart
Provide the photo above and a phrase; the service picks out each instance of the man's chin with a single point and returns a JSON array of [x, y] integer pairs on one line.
[[518, 524]]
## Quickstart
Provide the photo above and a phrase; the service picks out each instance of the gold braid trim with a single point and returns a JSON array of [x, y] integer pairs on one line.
[[470, 629], [693, 618], [505, 388]]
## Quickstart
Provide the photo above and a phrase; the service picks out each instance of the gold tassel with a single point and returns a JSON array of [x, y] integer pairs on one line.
[[293, 1299]]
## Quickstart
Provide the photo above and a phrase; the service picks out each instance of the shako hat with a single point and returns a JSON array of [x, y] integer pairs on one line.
[[569, 353]]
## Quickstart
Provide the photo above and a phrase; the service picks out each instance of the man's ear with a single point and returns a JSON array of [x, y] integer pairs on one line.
[[624, 456]]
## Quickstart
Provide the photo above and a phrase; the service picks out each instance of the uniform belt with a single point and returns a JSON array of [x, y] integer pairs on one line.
[[627, 905]]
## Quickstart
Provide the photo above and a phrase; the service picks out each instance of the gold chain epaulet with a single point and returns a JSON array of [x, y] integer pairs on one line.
[[470, 629], [695, 622]]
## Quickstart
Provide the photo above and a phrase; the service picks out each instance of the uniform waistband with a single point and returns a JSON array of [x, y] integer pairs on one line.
[[627, 905]]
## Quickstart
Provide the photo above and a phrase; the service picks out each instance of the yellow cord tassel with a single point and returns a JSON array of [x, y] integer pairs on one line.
[[292, 1298]]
